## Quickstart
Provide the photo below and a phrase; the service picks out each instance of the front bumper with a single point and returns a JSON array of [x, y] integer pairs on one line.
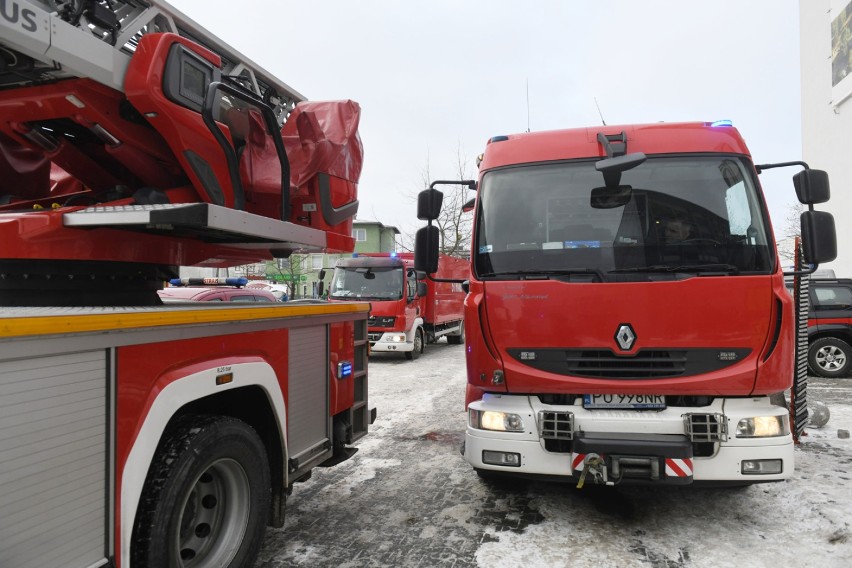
[[656, 441], [380, 342]]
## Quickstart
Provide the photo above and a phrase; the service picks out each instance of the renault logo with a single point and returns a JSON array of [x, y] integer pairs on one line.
[[625, 336]]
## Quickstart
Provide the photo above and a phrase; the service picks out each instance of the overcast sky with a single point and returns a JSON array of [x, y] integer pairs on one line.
[[435, 79]]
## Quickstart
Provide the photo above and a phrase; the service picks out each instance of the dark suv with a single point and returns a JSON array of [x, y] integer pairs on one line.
[[830, 327]]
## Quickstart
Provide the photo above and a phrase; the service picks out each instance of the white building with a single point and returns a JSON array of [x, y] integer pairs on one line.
[[826, 63]]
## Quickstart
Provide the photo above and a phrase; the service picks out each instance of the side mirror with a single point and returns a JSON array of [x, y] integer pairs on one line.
[[466, 286], [429, 203], [426, 249], [812, 186], [421, 289], [819, 238], [610, 197], [320, 288], [321, 274], [468, 206]]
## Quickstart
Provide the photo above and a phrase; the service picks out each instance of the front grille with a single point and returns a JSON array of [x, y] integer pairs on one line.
[[706, 427], [373, 337], [603, 363], [556, 425], [381, 321]]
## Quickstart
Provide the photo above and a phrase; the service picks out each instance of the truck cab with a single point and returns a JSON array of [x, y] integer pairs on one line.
[[390, 284]]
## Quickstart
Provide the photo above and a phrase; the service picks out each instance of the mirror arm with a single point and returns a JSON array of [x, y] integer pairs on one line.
[[803, 272], [761, 167]]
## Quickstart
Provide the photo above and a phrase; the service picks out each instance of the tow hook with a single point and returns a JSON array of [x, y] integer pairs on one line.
[[593, 465]]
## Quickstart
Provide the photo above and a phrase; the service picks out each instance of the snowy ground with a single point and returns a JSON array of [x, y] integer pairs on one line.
[[408, 499]]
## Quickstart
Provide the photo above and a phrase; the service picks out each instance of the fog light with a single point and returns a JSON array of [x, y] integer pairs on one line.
[[763, 427], [506, 459], [762, 467]]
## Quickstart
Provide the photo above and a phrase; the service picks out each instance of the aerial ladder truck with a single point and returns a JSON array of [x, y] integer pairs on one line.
[[132, 433]]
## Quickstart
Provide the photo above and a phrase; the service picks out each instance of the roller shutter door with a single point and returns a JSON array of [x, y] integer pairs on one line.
[[53, 461]]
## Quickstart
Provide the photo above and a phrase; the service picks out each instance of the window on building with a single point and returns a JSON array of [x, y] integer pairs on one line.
[[316, 261], [359, 234]]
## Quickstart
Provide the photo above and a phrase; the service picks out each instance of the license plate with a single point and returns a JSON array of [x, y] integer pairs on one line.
[[630, 401]]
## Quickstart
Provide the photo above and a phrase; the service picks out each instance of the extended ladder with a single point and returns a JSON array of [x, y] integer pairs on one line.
[[47, 40]]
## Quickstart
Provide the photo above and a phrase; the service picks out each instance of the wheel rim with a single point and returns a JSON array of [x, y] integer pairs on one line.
[[830, 358], [214, 516]]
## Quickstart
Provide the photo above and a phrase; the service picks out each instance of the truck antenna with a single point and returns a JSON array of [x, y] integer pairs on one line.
[[528, 104], [599, 111]]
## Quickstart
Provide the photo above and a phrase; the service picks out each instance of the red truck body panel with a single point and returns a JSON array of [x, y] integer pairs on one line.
[[445, 300], [582, 143]]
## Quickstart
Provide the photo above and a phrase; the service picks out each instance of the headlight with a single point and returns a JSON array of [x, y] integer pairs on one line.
[[395, 337], [493, 420], [763, 427]]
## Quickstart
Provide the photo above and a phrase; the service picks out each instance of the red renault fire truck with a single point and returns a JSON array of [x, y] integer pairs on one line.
[[134, 433], [627, 320]]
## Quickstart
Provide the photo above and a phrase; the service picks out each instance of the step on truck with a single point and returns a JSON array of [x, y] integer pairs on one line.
[[133, 432], [407, 309], [627, 320]]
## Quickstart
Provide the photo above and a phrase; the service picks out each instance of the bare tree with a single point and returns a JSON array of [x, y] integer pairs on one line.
[[791, 229], [289, 270], [454, 224]]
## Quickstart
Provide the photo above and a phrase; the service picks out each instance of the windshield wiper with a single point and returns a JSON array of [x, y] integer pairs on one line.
[[545, 274], [698, 268]]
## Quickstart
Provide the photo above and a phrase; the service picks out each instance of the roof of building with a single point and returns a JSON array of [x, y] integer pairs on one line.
[[381, 225]]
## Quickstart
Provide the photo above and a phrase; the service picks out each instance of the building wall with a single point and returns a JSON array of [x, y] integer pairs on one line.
[[827, 121]]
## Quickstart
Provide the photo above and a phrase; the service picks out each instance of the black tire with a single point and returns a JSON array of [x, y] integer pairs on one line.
[[206, 497], [829, 357], [457, 339], [419, 346]]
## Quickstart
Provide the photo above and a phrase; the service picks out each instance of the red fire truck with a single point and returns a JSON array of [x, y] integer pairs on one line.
[[407, 310], [134, 433], [627, 320]]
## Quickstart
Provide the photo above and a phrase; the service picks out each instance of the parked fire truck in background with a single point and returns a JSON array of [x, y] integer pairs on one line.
[[627, 320], [407, 311], [134, 433]]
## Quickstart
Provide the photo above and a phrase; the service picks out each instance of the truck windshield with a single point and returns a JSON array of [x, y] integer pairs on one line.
[[670, 217], [367, 283]]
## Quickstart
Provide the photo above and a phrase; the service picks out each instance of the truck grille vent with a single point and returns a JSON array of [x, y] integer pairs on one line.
[[646, 364], [556, 425], [373, 337], [706, 427], [603, 363], [381, 321]]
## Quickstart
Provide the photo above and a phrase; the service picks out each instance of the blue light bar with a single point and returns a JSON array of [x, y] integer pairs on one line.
[[238, 282], [722, 123], [393, 255]]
